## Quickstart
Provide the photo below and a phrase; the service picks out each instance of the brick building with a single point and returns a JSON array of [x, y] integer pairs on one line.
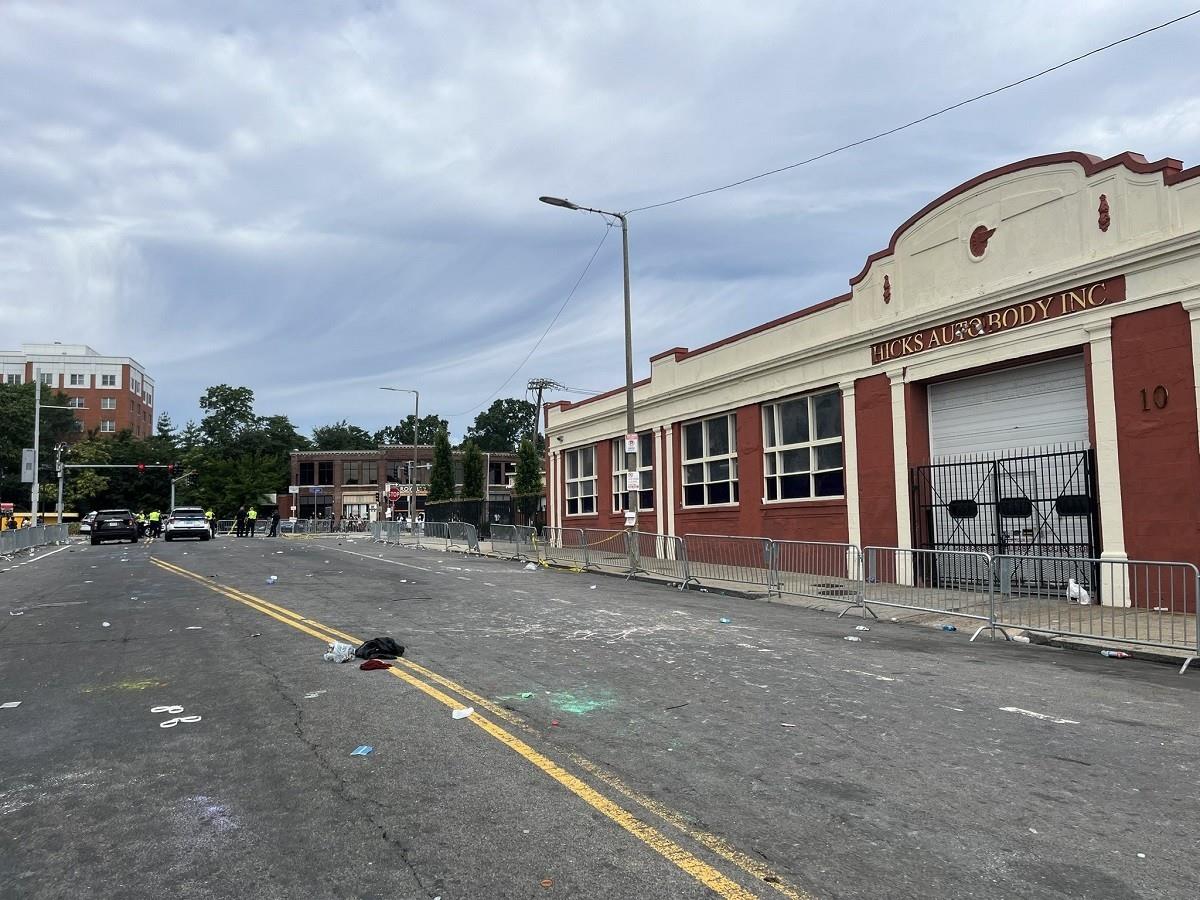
[[353, 482], [1016, 371], [113, 393]]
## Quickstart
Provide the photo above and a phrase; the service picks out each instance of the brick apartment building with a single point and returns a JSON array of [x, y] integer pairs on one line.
[[111, 393], [348, 483]]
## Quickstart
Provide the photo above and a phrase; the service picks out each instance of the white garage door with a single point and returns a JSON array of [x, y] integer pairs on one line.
[[1013, 409]]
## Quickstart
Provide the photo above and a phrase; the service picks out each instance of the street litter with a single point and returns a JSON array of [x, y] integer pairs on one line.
[[361, 751], [592, 588], [256, 634], [530, 567], [339, 652], [16, 612], [373, 664], [554, 722], [787, 724], [1077, 593], [272, 579], [862, 627], [851, 637], [379, 648], [11, 704], [1115, 654], [1161, 608], [1020, 639], [463, 713], [105, 625], [677, 706], [526, 695], [549, 882], [194, 628], [313, 695], [949, 628], [725, 621]]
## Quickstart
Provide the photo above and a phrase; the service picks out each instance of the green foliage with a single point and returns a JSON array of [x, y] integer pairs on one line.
[[342, 436], [81, 487], [502, 426], [16, 433], [427, 431], [441, 476], [229, 412], [528, 478], [474, 480]]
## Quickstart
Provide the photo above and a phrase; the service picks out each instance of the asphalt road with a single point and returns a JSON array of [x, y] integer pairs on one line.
[[625, 743]]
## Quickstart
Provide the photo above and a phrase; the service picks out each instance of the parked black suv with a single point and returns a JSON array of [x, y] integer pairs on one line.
[[114, 524]]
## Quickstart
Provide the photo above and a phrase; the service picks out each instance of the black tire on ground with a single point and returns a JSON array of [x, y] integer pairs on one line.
[[95, 542]]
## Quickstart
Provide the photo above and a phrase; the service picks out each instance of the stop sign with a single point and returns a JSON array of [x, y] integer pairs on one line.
[[394, 494]]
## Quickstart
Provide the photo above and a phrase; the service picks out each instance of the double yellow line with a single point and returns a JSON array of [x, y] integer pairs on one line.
[[408, 672]]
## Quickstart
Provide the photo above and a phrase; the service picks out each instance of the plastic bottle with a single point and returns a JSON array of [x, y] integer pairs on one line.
[[1115, 654], [949, 628]]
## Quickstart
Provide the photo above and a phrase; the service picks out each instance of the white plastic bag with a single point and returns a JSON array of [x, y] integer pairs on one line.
[[339, 652]]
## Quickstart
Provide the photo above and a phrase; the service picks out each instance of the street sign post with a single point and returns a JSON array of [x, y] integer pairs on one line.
[[393, 493], [28, 465]]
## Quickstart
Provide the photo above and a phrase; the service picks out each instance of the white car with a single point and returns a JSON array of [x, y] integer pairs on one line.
[[186, 521], [85, 524]]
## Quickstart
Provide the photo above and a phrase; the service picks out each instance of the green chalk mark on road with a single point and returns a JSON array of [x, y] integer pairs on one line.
[[577, 705]]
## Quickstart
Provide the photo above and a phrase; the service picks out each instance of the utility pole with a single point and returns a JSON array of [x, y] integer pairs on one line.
[[37, 435], [60, 450], [540, 385]]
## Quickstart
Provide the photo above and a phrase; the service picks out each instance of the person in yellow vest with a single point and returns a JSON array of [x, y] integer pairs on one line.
[[141, 524], [155, 524], [211, 518], [251, 518]]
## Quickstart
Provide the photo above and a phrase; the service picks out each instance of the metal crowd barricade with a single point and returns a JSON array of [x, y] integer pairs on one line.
[[1132, 601], [957, 582], [660, 554], [822, 570], [566, 546], [462, 534], [607, 548], [13, 540], [736, 560], [433, 532]]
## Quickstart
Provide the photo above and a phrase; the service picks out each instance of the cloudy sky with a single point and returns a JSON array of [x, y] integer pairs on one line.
[[315, 198]]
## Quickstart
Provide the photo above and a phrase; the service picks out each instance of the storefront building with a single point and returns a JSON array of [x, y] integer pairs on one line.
[[1015, 371]]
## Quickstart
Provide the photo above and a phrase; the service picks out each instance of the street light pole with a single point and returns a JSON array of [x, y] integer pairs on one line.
[[631, 466], [37, 435], [412, 486]]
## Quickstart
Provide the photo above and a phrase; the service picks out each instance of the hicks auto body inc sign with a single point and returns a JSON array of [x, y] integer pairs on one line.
[[1089, 296]]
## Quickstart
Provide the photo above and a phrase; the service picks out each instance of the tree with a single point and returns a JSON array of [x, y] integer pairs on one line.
[[473, 487], [342, 436], [164, 427], [427, 431], [16, 433], [81, 487], [441, 476], [502, 426], [527, 485], [229, 412]]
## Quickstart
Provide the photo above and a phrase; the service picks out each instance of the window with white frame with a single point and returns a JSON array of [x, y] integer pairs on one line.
[[78, 380], [13, 379], [108, 425], [148, 397], [75, 402], [645, 468], [108, 381], [135, 386], [581, 481], [48, 379], [710, 473], [108, 402], [802, 448]]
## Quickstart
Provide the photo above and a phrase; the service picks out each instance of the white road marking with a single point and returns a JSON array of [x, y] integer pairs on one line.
[[394, 562], [868, 674], [30, 562], [1038, 715]]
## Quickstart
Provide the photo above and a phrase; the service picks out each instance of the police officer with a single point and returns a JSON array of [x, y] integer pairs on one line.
[[211, 519], [274, 532], [241, 521], [155, 523], [251, 518]]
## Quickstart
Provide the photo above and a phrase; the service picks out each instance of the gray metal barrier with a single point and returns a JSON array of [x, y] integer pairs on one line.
[[13, 540], [433, 534], [565, 546], [716, 558], [463, 535], [515, 541], [822, 570], [607, 548], [938, 581], [660, 554], [1132, 601]]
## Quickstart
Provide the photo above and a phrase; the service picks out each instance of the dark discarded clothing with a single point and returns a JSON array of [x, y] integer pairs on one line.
[[372, 664], [379, 648]]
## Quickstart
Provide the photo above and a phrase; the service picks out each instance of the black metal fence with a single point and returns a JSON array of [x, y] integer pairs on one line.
[[516, 510]]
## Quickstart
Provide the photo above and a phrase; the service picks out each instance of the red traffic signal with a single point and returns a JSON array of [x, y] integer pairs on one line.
[[141, 468]]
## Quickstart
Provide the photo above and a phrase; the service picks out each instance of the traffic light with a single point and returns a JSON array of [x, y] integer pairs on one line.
[[141, 468]]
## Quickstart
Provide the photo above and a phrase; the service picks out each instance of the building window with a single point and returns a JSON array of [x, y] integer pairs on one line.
[[360, 472], [802, 448], [645, 467], [13, 379], [108, 381], [325, 472], [149, 398], [75, 402], [581, 481], [78, 380], [48, 379], [306, 473], [710, 474], [108, 425], [135, 386], [108, 402], [370, 472]]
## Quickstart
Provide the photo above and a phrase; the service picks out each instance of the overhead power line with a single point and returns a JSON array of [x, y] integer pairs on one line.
[[538, 343], [925, 118]]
